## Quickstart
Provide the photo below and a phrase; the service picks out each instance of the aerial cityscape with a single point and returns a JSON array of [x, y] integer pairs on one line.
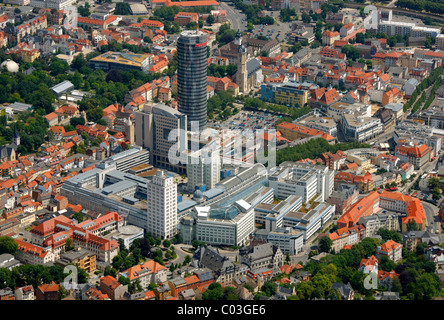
[[203, 150]]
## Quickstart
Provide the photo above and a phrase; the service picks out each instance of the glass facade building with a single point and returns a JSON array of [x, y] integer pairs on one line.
[[192, 76]]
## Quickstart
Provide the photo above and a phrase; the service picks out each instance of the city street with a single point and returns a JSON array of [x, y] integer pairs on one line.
[[237, 18], [181, 253]]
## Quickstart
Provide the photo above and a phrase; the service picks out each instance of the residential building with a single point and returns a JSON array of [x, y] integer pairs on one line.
[[390, 249], [147, 272], [81, 257], [47, 291], [25, 293], [377, 221], [111, 287], [329, 37], [346, 29], [347, 237], [333, 161], [343, 197], [30, 27], [370, 265], [418, 155], [9, 226], [345, 290]]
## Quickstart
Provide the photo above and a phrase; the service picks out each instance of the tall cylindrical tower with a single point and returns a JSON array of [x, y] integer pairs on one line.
[[192, 76]]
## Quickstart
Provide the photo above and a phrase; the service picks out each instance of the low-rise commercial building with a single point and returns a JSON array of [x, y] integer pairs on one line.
[[360, 129], [123, 61]]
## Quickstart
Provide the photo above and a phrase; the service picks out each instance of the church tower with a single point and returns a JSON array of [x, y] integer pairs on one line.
[[241, 73]]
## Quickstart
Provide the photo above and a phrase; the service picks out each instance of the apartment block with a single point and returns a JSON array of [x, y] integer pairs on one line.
[[347, 237], [418, 155], [390, 249]]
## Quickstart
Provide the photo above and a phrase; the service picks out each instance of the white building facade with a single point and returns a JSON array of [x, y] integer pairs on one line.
[[162, 206]]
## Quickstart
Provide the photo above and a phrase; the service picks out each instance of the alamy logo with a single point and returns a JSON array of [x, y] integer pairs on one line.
[[70, 20], [371, 280], [70, 282], [371, 21]]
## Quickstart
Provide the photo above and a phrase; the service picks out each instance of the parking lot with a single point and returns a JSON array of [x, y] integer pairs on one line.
[[277, 30], [253, 120]]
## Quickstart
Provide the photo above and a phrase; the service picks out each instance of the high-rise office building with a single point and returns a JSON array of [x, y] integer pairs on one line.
[[162, 206], [203, 169], [192, 76], [152, 131]]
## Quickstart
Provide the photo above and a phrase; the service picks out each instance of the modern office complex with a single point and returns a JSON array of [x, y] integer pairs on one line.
[[106, 188], [152, 129], [419, 133], [360, 128], [203, 169], [230, 226], [162, 208], [290, 240], [124, 61], [296, 218], [243, 185], [271, 214], [128, 159], [393, 28], [310, 182], [51, 4], [289, 92], [318, 120], [192, 76]]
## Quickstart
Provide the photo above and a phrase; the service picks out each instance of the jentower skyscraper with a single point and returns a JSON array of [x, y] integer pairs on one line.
[[192, 76]]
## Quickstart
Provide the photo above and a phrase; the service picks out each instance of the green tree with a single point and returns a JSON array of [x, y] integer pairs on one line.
[[122, 8], [166, 243], [411, 225], [210, 19], [124, 281], [269, 288], [325, 244], [69, 244], [8, 245]]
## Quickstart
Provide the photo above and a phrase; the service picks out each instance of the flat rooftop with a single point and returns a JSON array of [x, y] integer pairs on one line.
[[131, 59]]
